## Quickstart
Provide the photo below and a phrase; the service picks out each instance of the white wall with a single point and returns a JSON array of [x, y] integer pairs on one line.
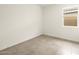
[[19, 23], [53, 23]]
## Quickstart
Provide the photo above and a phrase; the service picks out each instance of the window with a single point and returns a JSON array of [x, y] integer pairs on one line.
[[70, 16]]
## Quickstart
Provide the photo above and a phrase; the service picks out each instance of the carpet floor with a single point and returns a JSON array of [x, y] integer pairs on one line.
[[43, 45]]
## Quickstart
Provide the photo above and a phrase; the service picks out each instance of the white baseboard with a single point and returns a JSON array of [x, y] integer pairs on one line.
[[61, 38], [28, 38]]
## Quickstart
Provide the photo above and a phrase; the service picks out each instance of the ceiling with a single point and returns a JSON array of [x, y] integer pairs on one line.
[[44, 5]]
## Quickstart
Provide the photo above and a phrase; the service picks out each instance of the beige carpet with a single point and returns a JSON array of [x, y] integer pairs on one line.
[[43, 45]]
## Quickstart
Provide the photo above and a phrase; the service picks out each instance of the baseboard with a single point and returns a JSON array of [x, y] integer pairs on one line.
[[61, 38], [28, 38]]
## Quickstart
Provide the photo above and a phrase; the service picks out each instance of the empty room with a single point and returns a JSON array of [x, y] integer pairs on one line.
[[39, 29]]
